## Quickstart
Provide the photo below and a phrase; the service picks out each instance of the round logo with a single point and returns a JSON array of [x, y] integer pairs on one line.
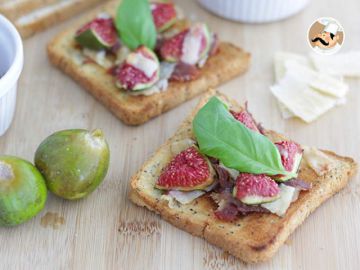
[[326, 36]]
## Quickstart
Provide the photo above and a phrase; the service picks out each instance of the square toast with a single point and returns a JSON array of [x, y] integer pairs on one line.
[[252, 238], [32, 16], [229, 62]]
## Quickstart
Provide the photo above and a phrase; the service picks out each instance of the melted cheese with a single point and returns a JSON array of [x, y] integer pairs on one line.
[[146, 65]]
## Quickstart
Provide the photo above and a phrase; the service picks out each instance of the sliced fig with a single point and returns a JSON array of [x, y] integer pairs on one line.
[[188, 170], [189, 46], [179, 26], [171, 49], [98, 34], [291, 156], [140, 70], [245, 118], [255, 188], [164, 15]]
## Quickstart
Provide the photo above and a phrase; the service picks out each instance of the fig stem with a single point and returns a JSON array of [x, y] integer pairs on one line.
[[97, 133]]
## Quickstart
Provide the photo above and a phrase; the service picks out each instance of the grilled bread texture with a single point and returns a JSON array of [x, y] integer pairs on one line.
[[32, 16], [252, 238], [229, 62]]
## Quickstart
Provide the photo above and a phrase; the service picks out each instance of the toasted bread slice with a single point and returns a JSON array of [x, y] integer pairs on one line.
[[252, 238], [32, 16], [229, 62]]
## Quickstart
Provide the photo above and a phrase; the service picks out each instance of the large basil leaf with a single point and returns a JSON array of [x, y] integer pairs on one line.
[[135, 24], [221, 136]]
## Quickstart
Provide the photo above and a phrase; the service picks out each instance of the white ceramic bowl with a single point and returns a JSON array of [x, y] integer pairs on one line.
[[11, 64], [254, 11]]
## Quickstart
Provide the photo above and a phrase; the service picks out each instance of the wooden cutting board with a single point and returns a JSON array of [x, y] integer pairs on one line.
[[106, 231]]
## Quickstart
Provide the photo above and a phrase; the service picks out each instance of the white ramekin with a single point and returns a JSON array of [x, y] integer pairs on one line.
[[254, 11], [11, 64]]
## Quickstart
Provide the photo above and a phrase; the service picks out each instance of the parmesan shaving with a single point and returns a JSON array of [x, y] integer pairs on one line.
[[301, 100], [287, 196], [304, 91], [317, 160], [98, 57], [343, 64], [319, 81], [146, 65]]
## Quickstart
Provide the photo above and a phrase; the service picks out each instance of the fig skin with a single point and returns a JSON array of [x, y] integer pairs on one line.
[[23, 191], [73, 162]]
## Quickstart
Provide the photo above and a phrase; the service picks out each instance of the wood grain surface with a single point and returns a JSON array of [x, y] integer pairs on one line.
[[106, 231]]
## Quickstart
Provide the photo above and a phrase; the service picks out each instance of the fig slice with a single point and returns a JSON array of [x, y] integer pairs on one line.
[[291, 156], [188, 170], [189, 46], [139, 71], [255, 188], [245, 118], [98, 34], [164, 15], [171, 49]]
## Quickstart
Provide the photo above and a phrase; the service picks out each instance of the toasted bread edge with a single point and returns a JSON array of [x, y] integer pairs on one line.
[[214, 233]]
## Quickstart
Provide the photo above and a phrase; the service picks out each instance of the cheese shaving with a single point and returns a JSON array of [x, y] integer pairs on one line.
[[146, 65], [314, 91], [287, 196], [344, 64], [317, 160], [98, 57], [301, 100], [319, 81]]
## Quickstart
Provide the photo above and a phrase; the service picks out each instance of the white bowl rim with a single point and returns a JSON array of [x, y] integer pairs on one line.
[[11, 76]]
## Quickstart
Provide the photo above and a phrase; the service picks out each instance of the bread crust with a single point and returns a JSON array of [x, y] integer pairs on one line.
[[15, 11], [253, 238], [228, 63]]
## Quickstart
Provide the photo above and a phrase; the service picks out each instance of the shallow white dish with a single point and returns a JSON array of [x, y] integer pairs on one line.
[[11, 64], [254, 11]]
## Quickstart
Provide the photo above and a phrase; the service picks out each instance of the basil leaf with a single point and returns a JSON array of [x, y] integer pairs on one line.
[[221, 136], [135, 24]]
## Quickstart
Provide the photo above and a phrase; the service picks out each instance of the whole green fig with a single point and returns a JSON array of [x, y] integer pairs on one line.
[[73, 162], [22, 191]]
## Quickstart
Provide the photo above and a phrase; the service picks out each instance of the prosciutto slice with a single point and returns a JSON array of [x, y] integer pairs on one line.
[[229, 207], [298, 183], [184, 72]]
